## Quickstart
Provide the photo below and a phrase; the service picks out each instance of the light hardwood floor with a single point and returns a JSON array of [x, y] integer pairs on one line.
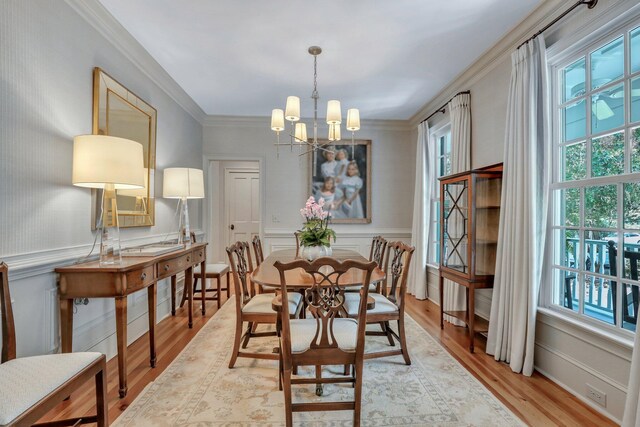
[[536, 400]]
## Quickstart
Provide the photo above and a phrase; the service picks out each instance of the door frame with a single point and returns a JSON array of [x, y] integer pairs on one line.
[[217, 204]]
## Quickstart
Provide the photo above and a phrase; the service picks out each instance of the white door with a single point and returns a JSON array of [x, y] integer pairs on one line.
[[242, 199]]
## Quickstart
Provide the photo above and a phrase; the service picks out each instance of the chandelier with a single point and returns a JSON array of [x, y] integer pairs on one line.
[[298, 133]]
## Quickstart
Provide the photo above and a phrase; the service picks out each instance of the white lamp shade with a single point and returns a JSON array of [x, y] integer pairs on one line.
[[138, 192], [101, 160], [277, 120], [334, 115], [353, 119], [292, 110], [180, 183], [334, 133], [301, 132]]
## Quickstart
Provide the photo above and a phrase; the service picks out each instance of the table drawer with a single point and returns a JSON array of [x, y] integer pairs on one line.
[[140, 278], [171, 267], [198, 256]]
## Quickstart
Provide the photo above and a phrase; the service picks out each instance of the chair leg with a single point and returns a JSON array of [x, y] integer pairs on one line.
[[385, 329], [228, 285], [358, 394], [218, 287], [403, 341], [346, 369], [236, 343], [247, 335], [101, 397], [288, 411]]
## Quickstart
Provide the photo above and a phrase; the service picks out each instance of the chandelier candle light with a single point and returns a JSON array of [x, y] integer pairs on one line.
[[298, 135]]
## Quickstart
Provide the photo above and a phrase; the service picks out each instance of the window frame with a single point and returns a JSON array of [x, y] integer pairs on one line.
[[443, 130], [568, 56]]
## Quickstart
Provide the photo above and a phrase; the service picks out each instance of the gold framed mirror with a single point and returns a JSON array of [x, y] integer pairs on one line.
[[119, 112]]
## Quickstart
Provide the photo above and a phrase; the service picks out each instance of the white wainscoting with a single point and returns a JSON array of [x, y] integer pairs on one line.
[[359, 241], [34, 295]]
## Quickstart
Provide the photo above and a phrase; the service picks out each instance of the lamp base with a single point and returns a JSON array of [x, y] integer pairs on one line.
[[109, 229], [184, 231]]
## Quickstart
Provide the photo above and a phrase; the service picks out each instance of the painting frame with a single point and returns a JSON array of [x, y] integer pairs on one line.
[[360, 151]]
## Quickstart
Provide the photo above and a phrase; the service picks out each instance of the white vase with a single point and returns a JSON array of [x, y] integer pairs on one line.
[[312, 252]]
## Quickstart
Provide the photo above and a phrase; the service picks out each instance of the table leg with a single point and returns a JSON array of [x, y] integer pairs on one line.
[[173, 295], [66, 325], [121, 333], [441, 288], [188, 286], [152, 297], [203, 285], [472, 315]]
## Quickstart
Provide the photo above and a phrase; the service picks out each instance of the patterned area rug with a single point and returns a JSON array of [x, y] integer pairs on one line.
[[198, 388]]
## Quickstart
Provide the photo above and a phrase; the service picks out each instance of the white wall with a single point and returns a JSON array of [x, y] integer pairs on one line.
[[47, 54], [569, 354], [286, 179]]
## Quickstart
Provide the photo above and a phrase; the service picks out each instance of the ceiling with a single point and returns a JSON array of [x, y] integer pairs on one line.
[[387, 58]]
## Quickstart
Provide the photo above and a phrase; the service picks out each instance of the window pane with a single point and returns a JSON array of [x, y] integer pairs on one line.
[[575, 161], [574, 80], [567, 242], [569, 202], [635, 150], [596, 253], [631, 294], [607, 155], [574, 118], [631, 260], [635, 99], [600, 208], [631, 206], [607, 63], [607, 109], [597, 299], [566, 289], [635, 50]]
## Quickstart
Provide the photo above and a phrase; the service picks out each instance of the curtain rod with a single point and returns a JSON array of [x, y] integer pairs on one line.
[[589, 3], [442, 109]]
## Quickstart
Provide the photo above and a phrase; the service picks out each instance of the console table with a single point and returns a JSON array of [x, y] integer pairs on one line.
[[90, 280]]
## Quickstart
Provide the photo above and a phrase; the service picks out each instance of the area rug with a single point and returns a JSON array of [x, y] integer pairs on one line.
[[198, 388]]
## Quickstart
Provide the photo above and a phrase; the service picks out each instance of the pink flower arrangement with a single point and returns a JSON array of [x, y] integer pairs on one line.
[[314, 210], [316, 231]]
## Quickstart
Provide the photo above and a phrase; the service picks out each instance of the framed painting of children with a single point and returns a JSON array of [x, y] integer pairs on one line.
[[341, 175]]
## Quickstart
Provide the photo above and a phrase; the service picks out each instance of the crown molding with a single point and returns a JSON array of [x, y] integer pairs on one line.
[[497, 53], [99, 18], [263, 122]]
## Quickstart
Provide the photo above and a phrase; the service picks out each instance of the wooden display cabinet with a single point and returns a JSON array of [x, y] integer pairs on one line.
[[469, 218]]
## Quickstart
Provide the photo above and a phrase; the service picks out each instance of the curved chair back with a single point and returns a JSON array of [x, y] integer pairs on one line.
[[396, 267], [378, 247], [295, 234], [257, 250], [241, 268], [6, 316]]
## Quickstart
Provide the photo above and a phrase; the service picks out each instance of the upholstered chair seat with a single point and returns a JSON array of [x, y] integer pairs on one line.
[[262, 303], [382, 304], [303, 330], [217, 268]]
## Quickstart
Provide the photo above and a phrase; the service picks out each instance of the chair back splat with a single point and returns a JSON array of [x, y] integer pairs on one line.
[[257, 250], [378, 246], [6, 316], [399, 255], [241, 268]]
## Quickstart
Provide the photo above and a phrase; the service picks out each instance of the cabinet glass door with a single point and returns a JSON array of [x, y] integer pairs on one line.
[[455, 232], [488, 190]]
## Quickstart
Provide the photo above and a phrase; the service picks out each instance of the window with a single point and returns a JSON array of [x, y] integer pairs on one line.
[[442, 139], [595, 222]]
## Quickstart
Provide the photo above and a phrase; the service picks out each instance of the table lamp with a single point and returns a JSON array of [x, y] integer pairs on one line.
[[108, 163], [140, 194], [183, 184]]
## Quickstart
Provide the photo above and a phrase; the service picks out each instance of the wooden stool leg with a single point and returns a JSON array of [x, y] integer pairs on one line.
[[228, 285], [218, 287]]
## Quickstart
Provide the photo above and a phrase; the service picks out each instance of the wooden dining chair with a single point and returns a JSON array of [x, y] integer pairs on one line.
[[257, 250], [325, 339], [296, 234], [252, 308], [390, 302], [32, 386], [376, 254], [213, 271]]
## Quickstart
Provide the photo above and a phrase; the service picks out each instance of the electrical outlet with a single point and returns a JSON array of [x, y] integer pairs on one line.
[[275, 219], [596, 395]]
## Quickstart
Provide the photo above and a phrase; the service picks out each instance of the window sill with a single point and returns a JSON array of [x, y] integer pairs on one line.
[[587, 328]]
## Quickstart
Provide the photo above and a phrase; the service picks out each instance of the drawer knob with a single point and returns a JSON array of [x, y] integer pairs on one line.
[[143, 276], [166, 267], [200, 254], [188, 259]]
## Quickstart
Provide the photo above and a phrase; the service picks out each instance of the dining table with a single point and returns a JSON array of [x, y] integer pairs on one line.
[[298, 280]]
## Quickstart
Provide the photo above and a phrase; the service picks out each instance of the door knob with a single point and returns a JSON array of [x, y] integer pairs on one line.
[[233, 227]]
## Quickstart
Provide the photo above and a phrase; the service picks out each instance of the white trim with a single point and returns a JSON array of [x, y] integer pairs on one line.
[[101, 20]]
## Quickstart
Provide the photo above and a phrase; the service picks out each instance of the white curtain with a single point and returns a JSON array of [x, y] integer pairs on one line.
[[421, 230], [631, 415], [460, 115], [523, 216]]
